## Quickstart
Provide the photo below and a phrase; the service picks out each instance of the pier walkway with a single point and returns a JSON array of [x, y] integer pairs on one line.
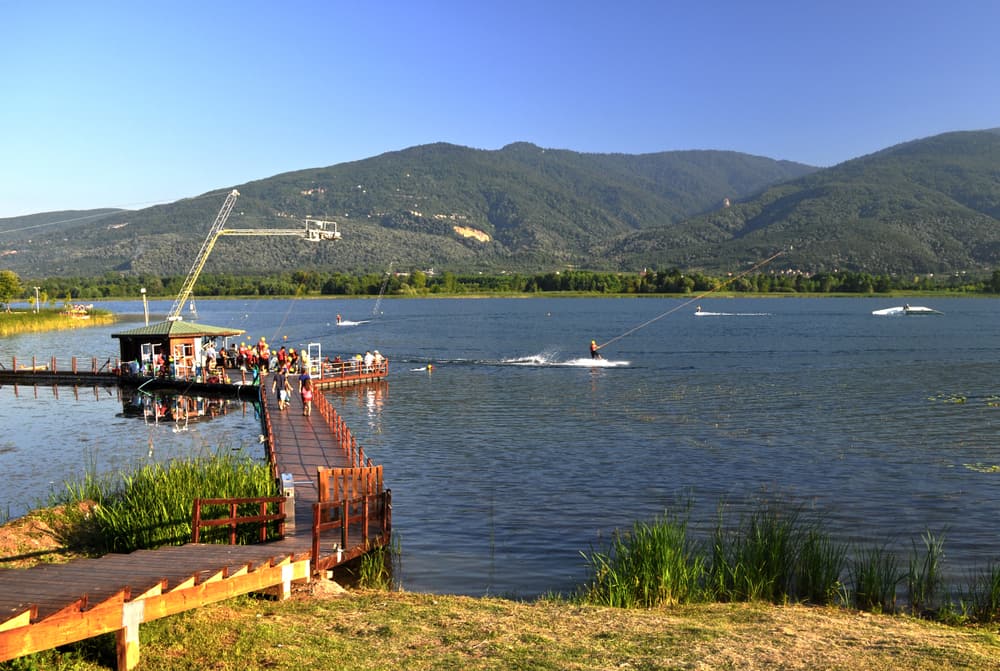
[[333, 509]]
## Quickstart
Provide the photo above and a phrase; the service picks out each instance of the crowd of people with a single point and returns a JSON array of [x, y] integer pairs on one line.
[[284, 365], [369, 362]]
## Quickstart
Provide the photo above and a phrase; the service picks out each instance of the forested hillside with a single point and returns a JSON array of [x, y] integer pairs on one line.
[[521, 208], [927, 206]]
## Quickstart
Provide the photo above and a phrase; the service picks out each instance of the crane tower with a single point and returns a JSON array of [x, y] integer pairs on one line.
[[315, 231]]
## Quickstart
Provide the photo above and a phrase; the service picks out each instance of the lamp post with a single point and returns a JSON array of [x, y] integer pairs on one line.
[[145, 305], [36, 299]]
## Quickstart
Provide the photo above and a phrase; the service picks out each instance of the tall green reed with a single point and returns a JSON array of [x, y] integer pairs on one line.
[[876, 576], [924, 577], [151, 505], [654, 564], [757, 560], [821, 564], [378, 569], [981, 601]]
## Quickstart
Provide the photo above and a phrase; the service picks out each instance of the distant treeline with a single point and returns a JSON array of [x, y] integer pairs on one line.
[[417, 283]]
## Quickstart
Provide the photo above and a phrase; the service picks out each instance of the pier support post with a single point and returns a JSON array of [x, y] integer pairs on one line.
[[288, 490], [127, 638]]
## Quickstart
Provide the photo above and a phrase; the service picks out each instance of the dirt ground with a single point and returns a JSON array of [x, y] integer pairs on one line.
[[36, 538]]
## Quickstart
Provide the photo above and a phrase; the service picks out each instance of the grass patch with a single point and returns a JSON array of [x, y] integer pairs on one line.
[[376, 631]]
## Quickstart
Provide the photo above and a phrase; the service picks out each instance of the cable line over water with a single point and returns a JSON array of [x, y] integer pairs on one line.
[[732, 279]]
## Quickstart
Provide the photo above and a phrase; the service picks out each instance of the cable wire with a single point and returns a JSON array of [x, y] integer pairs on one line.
[[732, 279]]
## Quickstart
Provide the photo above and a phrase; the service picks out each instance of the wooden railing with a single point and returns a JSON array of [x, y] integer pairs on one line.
[[53, 365], [350, 369], [369, 515], [338, 484], [268, 429], [234, 519], [355, 453]]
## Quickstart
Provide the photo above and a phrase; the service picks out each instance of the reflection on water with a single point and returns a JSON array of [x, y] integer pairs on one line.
[[159, 407], [58, 434]]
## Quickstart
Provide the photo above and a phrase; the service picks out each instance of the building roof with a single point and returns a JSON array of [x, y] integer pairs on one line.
[[178, 329]]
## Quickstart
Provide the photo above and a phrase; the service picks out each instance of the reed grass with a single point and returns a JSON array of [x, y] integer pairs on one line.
[[924, 577], [378, 569], [757, 560], [772, 555], [876, 575], [821, 564], [48, 319], [981, 601], [654, 564], [151, 506]]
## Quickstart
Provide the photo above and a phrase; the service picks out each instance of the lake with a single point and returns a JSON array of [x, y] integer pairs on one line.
[[514, 454]]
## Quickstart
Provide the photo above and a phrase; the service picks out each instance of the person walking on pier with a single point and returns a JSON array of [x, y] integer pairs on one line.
[[281, 386], [307, 394]]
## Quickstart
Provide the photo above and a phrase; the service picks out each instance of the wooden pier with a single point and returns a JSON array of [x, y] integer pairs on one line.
[[333, 509], [227, 382]]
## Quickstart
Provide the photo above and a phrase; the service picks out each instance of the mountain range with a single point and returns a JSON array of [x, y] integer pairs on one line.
[[927, 206]]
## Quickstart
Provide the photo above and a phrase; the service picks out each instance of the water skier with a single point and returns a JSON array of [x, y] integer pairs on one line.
[[593, 350]]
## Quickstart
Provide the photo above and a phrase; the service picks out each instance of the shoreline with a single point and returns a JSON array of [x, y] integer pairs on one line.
[[17, 322], [895, 294]]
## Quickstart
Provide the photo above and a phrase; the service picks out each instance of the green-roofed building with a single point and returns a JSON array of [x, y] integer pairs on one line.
[[184, 341]]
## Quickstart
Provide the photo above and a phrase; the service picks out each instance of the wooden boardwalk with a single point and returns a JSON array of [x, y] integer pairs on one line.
[[54, 604]]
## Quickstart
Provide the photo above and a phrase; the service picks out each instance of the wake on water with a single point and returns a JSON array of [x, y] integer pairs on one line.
[[546, 359], [702, 313]]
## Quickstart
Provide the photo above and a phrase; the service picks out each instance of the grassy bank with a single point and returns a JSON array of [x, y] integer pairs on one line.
[[367, 630], [14, 323], [692, 605]]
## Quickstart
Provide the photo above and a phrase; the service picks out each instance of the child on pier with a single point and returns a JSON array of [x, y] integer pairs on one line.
[[307, 395]]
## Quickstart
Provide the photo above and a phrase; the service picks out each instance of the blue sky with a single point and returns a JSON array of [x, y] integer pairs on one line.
[[125, 104]]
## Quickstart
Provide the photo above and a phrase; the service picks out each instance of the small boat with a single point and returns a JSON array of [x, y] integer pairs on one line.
[[906, 310]]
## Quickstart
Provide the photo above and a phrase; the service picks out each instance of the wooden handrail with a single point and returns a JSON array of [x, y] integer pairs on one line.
[[343, 519], [235, 519]]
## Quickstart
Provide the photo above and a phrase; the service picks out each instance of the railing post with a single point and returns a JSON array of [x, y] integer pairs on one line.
[[232, 524], [315, 536], [343, 525], [364, 520], [323, 484], [281, 521], [263, 525], [386, 512], [196, 523]]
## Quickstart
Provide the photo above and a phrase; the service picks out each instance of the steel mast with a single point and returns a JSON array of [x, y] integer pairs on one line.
[[315, 230]]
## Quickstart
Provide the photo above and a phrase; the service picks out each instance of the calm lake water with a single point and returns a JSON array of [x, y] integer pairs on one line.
[[514, 454]]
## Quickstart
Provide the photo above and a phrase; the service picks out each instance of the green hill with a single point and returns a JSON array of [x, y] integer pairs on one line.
[[927, 206], [532, 208]]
